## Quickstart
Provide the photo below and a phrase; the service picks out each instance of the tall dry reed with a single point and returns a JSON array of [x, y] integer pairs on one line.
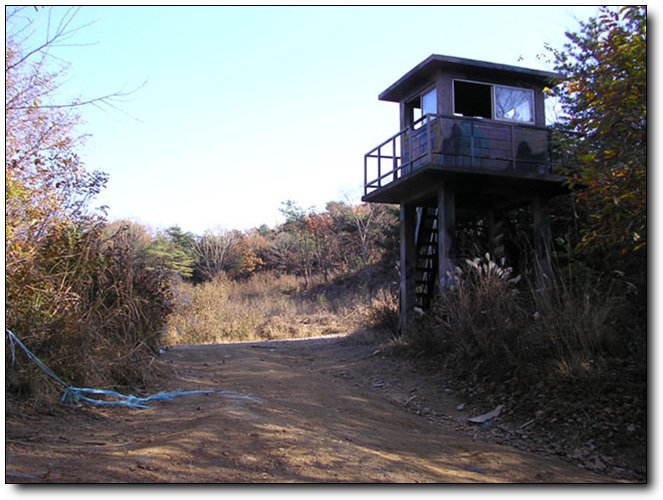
[[492, 325]]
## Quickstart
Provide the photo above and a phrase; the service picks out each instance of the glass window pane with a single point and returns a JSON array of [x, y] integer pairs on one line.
[[514, 104], [429, 102]]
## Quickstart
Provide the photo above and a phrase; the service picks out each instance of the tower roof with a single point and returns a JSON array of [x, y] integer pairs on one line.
[[420, 74]]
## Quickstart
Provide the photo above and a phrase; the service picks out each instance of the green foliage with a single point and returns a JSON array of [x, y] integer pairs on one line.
[[293, 213], [604, 98], [171, 253]]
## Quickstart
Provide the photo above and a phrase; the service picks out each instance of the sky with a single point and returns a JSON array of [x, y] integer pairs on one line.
[[233, 110]]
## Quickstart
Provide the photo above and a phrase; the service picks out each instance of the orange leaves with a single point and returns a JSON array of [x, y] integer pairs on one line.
[[609, 154], [248, 262], [572, 86], [605, 93], [319, 224]]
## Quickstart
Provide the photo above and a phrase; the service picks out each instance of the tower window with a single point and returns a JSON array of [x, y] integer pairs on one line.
[[493, 101], [473, 99], [514, 104], [422, 105]]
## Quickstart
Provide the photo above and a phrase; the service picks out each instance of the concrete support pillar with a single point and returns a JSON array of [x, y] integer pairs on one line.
[[446, 221], [542, 240], [408, 292]]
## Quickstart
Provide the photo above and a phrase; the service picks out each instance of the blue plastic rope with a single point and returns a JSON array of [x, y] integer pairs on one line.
[[13, 338], [74, 395]]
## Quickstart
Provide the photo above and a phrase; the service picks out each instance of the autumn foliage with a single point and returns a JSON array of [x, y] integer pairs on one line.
[[604, 97], [73, 293]]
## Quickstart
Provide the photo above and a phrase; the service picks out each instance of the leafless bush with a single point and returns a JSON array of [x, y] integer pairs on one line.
[[381, 312]]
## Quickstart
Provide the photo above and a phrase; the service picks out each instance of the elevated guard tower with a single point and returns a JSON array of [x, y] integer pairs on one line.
[[473, 137]]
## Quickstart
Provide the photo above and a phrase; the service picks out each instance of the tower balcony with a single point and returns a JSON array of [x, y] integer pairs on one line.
[[493, 159]]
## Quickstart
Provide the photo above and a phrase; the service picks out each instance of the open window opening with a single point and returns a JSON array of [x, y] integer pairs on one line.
[[422, 105], [473, 99], [495, 102]]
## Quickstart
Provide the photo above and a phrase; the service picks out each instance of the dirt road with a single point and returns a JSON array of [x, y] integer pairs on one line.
[[298, 411]]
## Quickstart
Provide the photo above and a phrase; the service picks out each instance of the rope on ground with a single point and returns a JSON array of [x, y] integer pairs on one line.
[[75, 395]]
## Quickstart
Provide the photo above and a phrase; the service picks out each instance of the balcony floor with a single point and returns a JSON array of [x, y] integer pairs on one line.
[[475, 188]]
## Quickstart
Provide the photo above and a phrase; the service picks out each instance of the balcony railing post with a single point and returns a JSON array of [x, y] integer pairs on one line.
[[409, 147], [380, 166], [429, 148], [395, 161], [472, 142], [513, 147]]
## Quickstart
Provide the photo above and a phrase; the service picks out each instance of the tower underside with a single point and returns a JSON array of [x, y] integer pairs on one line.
[[429, 201]]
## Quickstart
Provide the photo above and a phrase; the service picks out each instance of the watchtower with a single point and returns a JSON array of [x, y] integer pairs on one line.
[[473, 137]]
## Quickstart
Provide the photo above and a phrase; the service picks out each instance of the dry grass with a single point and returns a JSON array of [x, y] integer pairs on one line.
[[493, 327], [267, 307], [88, 309]]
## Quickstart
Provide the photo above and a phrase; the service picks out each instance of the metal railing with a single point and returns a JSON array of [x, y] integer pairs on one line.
[[461, 143]]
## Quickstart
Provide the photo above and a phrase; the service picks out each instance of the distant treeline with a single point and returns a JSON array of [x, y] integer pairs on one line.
[[341, 239]]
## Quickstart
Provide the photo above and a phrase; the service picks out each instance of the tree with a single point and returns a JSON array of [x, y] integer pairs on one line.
[[183, 241], [245, 260], [604, 99], [47, 190], [365, 230], [293, 213], [46, 184], [172, 252], [320, 228], [131, 236], [294, 247], [214, 252], [74, 290]]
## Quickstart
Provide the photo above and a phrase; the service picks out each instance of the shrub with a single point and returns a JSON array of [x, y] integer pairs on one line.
[[87, 309], [577, 321], [492, 326], [382, 312]]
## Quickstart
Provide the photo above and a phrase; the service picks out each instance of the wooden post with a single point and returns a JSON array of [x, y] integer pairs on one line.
[[408, 292], [542, 240], [446, 221], [495, 223]]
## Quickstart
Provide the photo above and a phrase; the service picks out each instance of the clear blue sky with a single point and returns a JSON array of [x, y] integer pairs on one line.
[[246, 107]]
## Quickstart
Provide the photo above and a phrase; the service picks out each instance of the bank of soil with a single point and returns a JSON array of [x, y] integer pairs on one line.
[[315, 410]]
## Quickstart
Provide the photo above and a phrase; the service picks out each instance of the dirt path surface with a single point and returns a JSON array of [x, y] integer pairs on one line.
[[318, 410]]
